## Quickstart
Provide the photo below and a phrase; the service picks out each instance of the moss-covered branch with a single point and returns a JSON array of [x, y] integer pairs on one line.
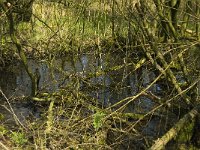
[[7, 8], [161, 142], [197, 20], [166, 21]]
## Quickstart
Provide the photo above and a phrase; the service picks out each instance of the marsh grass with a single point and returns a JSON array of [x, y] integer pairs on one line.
[[58, 28], [53, 23], [70, 117]]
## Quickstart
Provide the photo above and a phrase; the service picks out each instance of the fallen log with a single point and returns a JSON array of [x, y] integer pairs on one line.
[[187, 118]]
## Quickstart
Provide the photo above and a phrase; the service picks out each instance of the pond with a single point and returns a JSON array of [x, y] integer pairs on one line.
[[58, 73]]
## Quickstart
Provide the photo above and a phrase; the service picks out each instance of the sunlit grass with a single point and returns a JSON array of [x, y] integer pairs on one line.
[[54, 22], [80, 23]]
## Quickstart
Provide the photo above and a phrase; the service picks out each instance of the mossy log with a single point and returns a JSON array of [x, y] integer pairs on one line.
[[161, 142], [195, 139]]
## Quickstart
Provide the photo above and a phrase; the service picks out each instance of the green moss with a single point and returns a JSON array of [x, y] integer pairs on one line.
[[185, 134]]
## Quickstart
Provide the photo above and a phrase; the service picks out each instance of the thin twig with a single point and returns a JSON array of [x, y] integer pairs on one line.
[[12, 111], [3, 146]]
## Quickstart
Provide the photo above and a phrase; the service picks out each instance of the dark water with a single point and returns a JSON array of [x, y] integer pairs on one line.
[[16, 83]]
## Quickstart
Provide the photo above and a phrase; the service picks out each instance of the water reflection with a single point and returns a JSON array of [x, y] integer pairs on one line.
[[111, 87]]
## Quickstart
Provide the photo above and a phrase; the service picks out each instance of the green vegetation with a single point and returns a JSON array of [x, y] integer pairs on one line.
[[18, 138], [97, 122], [138, 90]]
